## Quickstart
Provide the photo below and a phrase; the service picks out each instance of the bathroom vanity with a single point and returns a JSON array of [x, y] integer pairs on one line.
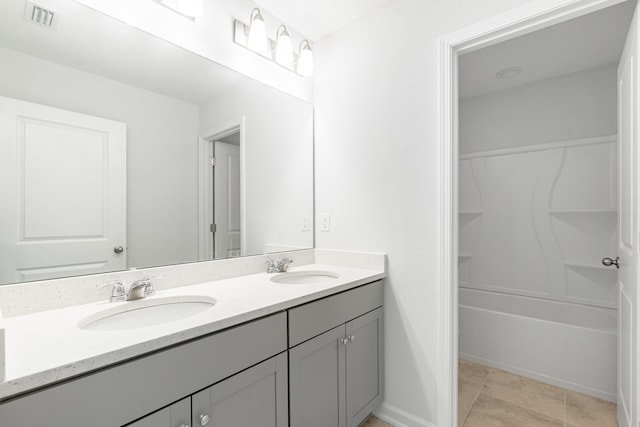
[[305, 355]]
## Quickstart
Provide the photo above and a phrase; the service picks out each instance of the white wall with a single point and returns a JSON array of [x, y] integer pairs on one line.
[[212, 36], [377, 172], [278, 163], [161, 150], [575, 106]]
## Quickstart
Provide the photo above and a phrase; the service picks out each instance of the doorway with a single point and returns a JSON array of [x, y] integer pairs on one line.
[[471, 42], [221, 195]]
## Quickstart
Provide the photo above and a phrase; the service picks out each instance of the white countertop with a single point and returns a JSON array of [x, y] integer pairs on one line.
[[46, 347]]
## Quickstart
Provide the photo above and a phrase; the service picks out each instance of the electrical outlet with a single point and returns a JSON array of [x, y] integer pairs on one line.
[[325, 222], [305, 222]]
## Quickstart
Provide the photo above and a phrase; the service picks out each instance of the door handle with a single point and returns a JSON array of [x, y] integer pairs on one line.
[[118, 249], [608, 262]]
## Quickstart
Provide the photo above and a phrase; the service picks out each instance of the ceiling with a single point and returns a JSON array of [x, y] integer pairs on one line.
[[114, 50], [580, 44], [318, 18]]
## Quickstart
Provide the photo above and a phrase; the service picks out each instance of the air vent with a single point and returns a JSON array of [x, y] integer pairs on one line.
[[41, 15]]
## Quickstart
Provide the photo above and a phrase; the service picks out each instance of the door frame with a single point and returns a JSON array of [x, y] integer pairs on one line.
[[522, 20], [205, 184]]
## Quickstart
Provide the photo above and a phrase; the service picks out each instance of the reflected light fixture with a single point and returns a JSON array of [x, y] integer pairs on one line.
[[254, 37], [187, 8], [284, 48], [257, 39], [305, 59]]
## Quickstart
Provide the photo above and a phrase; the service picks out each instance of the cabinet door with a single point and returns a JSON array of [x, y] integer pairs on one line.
[[257, 396], [176, 415], [364, 359], [316, 369]]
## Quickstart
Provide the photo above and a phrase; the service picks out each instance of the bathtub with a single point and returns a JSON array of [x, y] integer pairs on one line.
[[568, 345]]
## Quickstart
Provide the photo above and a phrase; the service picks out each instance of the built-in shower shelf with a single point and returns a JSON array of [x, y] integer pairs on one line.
[[584, 265], [466, 217]]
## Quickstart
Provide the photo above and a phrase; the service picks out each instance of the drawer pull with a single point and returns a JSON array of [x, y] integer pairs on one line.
[[204, 419]]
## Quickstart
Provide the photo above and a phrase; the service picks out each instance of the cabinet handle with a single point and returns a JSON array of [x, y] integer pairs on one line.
[[184, 425], [344, 341], [351, 338], [204, 419]]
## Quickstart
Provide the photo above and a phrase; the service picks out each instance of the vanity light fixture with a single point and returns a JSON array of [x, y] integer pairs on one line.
[[188, 8], [257, 37], [305, 59], [284, 49], [254, 37]]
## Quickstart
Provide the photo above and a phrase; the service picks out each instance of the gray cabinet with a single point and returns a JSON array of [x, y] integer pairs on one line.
[[364, 366], [257, 396], [336, 378], [316, 379], [176, 415], [317, 365], [118, 395]]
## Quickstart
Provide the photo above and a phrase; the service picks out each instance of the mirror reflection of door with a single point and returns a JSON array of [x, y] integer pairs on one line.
[[226, 197], [62, 192]]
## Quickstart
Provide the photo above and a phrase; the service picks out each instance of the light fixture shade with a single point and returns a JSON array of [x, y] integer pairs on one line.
[[305, 59], [284, 48], [257, 39]]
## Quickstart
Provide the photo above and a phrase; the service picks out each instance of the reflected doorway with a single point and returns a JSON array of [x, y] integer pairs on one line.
[[226, 226], [221, 192]]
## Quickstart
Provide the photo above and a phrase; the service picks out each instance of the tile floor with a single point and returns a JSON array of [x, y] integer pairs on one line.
[[374, 421], [489, 397]]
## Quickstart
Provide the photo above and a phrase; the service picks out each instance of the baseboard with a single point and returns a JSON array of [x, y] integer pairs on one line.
[[400, 418]]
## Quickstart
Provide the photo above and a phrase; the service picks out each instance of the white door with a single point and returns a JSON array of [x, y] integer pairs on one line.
[[226, 175], [62, 192], [628, 243]]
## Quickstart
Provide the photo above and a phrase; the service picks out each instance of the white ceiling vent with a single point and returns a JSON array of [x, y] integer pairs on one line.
[[41, 15]]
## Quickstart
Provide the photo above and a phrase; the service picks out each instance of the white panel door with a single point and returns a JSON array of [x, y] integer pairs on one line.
[[62, 192], [628, 240], [226, 175]]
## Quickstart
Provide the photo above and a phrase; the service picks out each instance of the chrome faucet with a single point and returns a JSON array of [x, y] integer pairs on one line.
[[117, 292], [136, 290], [140, 289], [278, 265]]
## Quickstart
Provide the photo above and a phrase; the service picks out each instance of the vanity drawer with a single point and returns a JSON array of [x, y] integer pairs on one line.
[[120, 394], [314, 318]]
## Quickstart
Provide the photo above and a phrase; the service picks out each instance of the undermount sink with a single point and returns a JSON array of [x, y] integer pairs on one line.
[[146, 312], [304, 277]]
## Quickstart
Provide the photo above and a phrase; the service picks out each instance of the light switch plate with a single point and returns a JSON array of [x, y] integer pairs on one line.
[[325, 222], [305, 222]]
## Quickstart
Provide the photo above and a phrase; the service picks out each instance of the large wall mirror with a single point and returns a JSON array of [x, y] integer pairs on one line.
[[119, 150]]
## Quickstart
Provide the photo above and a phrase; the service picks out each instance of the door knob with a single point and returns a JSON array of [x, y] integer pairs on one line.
[[118, 249], [609, 262]]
